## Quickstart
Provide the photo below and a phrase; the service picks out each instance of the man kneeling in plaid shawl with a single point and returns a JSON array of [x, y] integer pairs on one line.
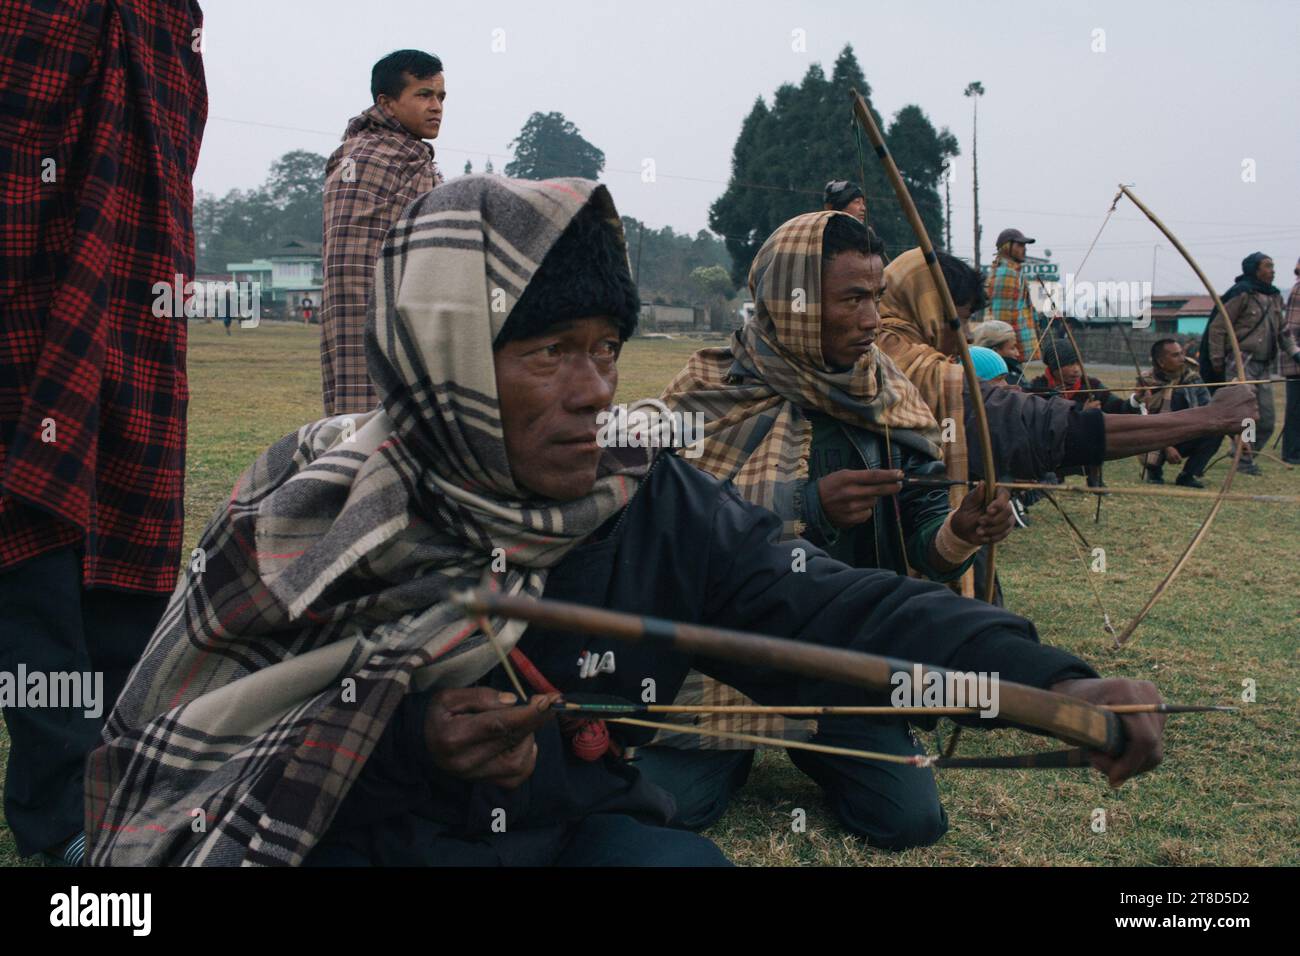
[[314, 696]]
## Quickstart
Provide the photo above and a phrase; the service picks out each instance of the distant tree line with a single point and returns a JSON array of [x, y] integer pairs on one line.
[[783, 156], [248, 224]]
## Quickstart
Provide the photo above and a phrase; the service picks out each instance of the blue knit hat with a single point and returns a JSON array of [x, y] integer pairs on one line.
[[988, 363]]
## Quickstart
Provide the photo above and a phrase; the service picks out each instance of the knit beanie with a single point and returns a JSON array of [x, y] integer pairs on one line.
[[584, 274], [1057, 353], [988, 363]]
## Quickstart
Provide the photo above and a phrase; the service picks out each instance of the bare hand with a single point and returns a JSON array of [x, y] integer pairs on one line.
[[976, 524], [1234, 403], [1145, 747], [481, 734], [848, 497], [1092, 403]]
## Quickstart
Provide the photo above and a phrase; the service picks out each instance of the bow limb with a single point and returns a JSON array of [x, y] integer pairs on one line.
[[1073, 721], [868, 123], [1240, 445]]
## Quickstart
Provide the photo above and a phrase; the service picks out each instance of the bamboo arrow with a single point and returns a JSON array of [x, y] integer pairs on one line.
[[1112, 490], [591, 704]]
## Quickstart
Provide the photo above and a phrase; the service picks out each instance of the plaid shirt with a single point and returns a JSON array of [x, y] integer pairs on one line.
[[377, 172], [1009, 301], [100, 124], [1288, 366]]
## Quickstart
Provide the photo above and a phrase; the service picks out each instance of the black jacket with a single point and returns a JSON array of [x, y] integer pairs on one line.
[[1033, 433], [689, 548]]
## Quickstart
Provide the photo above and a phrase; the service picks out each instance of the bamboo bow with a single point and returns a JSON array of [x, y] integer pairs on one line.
[[1085, 726], [868, 123], [1201, 532]]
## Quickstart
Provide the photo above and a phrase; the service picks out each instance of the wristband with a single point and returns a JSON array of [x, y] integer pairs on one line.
[[951, 547]]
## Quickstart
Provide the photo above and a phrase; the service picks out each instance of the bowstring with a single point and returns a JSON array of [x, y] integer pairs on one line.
[[889, 451], [486, 626], [1087, 572], [915, 760], [1052, 318]]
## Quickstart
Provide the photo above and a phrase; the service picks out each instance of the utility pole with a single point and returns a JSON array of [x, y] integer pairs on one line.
[[975, 91], [640, 240], [947, 207]]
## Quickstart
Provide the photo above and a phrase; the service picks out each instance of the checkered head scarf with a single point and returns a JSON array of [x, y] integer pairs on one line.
[[753, 393]]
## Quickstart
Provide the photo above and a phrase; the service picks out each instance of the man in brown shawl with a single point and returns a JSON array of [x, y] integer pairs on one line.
[[1032, 435], [811, 421], [1177, 385]]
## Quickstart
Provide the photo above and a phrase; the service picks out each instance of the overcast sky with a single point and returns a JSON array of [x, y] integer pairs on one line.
[[1183, 94]]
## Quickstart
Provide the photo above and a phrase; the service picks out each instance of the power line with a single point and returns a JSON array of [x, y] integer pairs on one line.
[[1122, 244]]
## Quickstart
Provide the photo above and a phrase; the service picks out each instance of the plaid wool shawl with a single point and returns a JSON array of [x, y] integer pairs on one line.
[[324, 595], [911, 314], [911, 318], [101, 117], [753, 393], [1287, 366], [1009, 301], [377, 172]]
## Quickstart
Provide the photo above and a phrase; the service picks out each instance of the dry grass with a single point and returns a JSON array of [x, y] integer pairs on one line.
[[1226, 794]]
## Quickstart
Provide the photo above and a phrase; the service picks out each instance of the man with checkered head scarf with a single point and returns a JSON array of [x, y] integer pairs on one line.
[[316, 696], [809, 419]]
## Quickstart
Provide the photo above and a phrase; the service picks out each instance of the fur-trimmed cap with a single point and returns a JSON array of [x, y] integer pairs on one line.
[[584, 274]]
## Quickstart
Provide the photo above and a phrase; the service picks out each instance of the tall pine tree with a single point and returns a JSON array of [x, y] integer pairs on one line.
[[549, 146], [786, 154]]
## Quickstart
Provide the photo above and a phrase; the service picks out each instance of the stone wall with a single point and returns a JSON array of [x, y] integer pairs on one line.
[[1105, 346]]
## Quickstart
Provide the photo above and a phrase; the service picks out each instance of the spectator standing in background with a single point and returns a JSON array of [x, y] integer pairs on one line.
[[383, 164], [101, 121]]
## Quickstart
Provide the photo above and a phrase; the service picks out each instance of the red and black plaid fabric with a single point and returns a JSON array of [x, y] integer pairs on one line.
[[101, 116]]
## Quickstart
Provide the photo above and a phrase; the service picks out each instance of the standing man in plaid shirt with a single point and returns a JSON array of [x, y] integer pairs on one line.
[[1008, 293], [100, 128], [383, 164]]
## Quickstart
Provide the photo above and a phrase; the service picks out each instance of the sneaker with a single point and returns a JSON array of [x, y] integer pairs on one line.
[[71, 853], [1018, 512], [1188, 481]]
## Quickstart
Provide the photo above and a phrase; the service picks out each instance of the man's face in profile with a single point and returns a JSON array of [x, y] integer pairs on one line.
[[1071, 374], [856, 207], [551, 389], [1171, 357], [852, 284], [419, 107]]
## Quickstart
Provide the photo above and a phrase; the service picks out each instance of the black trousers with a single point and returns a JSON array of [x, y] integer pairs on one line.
[[602, 839], [1197, 453], [894, 806], [1291, 427], [50, 624]]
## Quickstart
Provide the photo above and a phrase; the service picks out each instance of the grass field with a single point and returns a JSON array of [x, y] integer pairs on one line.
[[1228, 791]]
